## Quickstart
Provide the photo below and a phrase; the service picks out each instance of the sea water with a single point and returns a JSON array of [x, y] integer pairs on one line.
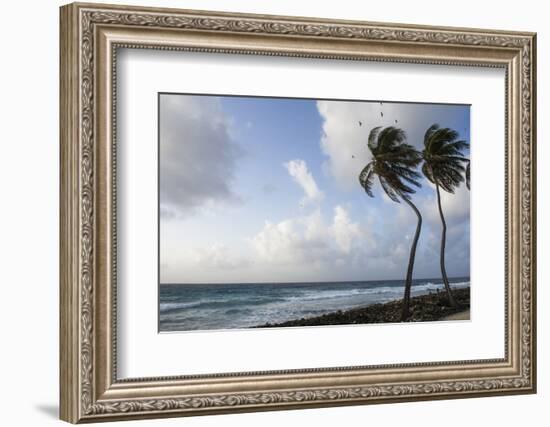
[[186, 307]]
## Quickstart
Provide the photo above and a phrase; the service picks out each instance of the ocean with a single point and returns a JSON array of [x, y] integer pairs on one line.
[[191, 307]]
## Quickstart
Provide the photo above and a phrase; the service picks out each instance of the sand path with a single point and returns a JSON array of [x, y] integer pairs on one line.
[[463, 315]]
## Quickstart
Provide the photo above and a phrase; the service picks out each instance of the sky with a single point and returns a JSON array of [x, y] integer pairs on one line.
[[259, 190]]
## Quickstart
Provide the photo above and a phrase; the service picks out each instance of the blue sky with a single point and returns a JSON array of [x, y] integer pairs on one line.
[[266, 190]]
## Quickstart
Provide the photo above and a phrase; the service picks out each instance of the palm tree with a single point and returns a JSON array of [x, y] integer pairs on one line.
[[443, 165], [394, 163]]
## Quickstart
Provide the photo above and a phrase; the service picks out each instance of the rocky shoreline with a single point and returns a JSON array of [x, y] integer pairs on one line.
[[424, 308]]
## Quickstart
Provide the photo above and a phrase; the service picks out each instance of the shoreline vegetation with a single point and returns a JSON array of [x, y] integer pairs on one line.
[[423, 308]]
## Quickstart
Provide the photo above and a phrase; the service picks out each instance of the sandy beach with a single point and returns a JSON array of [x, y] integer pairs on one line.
[[462, 315], [424, 308]]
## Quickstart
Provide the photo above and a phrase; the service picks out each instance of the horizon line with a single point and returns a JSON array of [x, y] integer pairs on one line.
[[302, 282]]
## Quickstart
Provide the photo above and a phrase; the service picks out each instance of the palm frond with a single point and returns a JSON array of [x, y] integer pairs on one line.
[[427, 171], [453, 148], [443, 157], [365, 178], [390, 137], [430, 132], [393, 161], [406, 174], [373, 139], [388, 189]]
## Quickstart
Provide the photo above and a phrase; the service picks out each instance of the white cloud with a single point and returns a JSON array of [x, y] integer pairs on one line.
[[271, 242], [343, 230], [456, 207], [289, 241], [310, 238], [343, 140], [198, 156], [334, 245], [218, 256], [299, 172]]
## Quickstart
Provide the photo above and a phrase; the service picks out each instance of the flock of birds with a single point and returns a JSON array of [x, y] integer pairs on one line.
[[381, 115], [361, 124]]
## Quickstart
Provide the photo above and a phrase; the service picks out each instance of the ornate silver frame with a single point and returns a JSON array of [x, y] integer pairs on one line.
[[90, 36]]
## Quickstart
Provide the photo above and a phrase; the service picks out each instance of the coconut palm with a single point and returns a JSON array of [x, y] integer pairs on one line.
[[394, 163], [443, 165]]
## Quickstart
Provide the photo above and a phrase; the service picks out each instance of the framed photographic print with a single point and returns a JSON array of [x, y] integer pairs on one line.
[[264, 212]]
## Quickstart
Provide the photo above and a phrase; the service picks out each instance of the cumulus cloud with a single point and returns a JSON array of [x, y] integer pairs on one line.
[[329, 245], [299, 172], [215, 262], [456, 209], [198, 157], [335, 246], [218, 256], [310, 238], [343, 140], [288, 241], [344, 230]]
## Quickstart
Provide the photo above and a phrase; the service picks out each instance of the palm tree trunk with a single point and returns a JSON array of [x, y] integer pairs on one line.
[[442, 253], [408, 281]]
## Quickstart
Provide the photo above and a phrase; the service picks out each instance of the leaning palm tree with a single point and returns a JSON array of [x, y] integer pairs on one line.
[[443, 165], [394, 163]]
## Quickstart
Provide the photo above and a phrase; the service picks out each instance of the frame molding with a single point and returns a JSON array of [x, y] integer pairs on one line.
[[90, 36]]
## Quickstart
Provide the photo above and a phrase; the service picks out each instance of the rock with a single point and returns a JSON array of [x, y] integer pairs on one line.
[[424, 308]]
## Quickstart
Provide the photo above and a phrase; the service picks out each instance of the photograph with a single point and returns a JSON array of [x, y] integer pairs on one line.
[[293, 212]]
